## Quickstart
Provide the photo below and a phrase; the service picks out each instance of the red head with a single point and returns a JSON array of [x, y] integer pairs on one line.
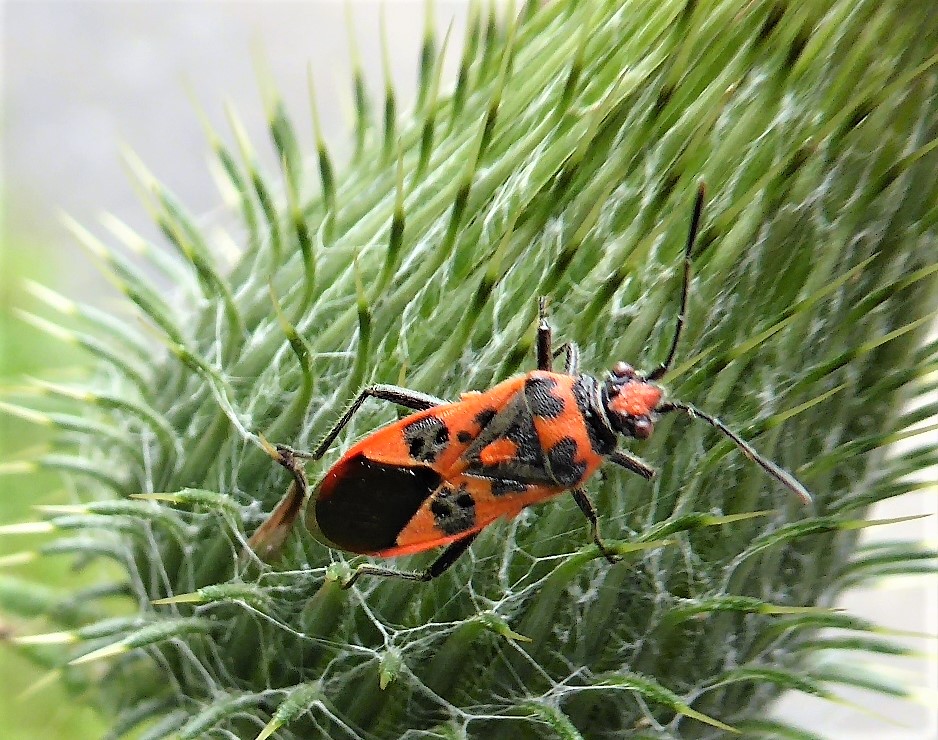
[[630, 401]]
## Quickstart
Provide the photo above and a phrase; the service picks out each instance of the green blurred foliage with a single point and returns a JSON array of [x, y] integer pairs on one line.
[[50, 711]]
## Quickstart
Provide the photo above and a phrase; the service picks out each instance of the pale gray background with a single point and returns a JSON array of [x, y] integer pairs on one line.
[[80, 77]]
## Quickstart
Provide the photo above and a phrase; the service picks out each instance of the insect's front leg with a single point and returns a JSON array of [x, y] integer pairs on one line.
[[586, 506], [633, 463], [571, 357], [439, 566]]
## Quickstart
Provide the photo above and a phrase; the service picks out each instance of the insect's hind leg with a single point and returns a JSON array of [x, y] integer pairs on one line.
[[268, 538], [413, 400], [439, 566], [586, 506]]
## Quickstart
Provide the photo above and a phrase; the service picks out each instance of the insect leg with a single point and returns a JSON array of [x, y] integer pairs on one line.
[[544, 355], [571, 353], [268, 538], [544, 338], [586, 506], [394, 394], [633, 463], [439, 566], [571, 357]]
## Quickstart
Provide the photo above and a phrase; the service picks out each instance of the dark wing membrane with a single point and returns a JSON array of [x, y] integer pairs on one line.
[[363, 505]]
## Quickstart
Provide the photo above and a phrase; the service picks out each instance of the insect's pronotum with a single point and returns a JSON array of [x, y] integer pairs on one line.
[[444, 473]]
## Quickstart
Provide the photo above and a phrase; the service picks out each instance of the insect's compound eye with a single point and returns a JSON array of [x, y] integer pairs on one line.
[[623, 370], [643, 428]]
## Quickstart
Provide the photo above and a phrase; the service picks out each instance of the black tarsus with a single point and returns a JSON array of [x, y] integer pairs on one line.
[[659, 371], [783, 477], [589, 511], [439, 566]]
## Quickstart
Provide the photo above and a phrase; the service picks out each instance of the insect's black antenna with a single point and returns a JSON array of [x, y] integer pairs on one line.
[[659, 371], [786, 479]]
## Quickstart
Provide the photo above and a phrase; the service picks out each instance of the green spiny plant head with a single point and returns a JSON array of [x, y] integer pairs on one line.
[[563, 163]]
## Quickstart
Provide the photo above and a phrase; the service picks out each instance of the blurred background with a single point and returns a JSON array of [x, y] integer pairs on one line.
[[80, 79]]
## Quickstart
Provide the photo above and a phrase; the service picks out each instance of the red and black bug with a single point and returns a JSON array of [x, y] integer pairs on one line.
[[444, 473]]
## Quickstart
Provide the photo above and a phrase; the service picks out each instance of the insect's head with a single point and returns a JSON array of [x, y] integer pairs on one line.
[[630, 400]]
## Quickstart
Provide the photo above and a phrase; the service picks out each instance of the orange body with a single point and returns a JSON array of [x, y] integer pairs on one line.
[[439, 475]]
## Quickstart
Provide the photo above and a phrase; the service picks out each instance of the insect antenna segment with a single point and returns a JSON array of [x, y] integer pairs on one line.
[[660, 371], [786, 479]]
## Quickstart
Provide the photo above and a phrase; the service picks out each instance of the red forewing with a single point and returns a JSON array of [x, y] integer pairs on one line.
[[440, 474], [371, 494]]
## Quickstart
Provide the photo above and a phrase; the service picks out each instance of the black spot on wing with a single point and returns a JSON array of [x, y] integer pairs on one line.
[[524, 436], [602, 438], [541, 401], [484, 417], [367, 505], [506, 486], [453, 509], [426, 438], [561, 458], [464, 437]]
